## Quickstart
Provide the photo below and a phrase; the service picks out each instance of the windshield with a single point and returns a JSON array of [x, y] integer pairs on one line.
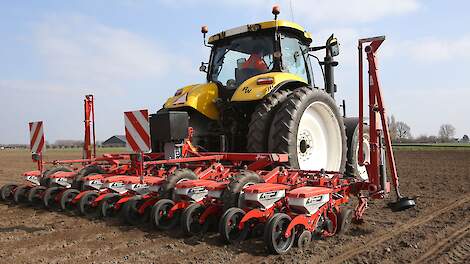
[[241, 58]]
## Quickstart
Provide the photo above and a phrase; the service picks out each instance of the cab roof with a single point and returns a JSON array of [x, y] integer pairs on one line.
[[283, 25]]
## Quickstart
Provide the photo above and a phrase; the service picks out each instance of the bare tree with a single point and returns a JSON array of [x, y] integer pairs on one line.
[[403, 131], [446, 132], [392, 127]]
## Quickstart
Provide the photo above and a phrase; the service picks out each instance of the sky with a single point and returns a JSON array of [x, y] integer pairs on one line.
[[133, 54]]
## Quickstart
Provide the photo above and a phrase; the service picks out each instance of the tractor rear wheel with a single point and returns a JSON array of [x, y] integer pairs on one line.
[[309, 128], [261, 119], [35, 194], [5, 191], [353, 169], [233, 195]]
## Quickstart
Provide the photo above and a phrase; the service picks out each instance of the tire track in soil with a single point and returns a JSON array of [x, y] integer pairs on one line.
[[386, 235], [460, 249], [460, 253]]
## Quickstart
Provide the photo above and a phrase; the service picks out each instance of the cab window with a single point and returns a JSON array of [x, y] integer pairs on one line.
[[293, 52]]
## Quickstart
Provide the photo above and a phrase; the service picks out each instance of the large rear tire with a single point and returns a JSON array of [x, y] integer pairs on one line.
[[352, 132], [309, 128], [233, 195], [261, 119]]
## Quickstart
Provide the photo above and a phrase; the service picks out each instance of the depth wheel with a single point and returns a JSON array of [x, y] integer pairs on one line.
[[160, 217], [106, 205], [85, 205], [309, 128], [35, 195], [67, 198], [6, 191], [190, 220], [274, 237], [48, 199], [344, 217], [20, 194], [130, 212], [228, 226]]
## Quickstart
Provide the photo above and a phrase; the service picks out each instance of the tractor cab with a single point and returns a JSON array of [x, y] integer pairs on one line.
[[248, 51]]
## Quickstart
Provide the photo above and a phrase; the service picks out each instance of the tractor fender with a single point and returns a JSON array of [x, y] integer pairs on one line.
[[287, 85]]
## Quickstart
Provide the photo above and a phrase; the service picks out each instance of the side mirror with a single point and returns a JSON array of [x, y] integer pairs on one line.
[[333, 46], [203, 67]]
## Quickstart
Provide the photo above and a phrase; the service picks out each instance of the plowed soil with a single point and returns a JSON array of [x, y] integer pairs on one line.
[[437, 230]]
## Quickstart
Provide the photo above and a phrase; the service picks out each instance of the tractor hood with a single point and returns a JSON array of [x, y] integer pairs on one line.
[[200, 97]]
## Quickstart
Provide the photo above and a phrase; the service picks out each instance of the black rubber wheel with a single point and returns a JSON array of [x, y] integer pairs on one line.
[[159, 215], [352, 132], [232, 196], [5, 191], [45, 181], [66, 199], [228, 226], [283, 134], [106, 205], [274, 237], [190, 220], [261, 119], [130, 212], [88, 170], [48, 199], [344, 217], [174, 178], [85, 205], [303, 241], [20, 194], [35, 195]]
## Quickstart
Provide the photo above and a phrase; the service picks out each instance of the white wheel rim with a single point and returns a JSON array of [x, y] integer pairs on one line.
[[319, 142], [366, 149]]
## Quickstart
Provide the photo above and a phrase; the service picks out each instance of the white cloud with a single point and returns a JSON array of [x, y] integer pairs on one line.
[[77, 48]]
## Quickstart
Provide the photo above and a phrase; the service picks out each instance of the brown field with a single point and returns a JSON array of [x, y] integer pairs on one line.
[[437, 230]]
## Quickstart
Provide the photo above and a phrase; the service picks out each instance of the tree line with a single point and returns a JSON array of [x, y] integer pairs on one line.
[[400, 132]]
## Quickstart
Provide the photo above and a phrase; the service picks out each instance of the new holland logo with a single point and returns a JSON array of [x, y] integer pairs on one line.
[[268, 195], [313, 199]]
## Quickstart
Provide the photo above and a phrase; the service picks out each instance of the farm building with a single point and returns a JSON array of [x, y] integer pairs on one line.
[[115, 141]]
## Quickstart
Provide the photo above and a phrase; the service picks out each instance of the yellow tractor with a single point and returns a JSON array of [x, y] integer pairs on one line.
[[261, 96]]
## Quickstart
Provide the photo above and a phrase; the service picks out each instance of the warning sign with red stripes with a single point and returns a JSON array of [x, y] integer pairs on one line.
[[36, 136], [137, 130]]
